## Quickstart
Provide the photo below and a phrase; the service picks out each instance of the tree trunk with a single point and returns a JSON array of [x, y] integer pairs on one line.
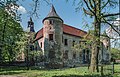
[[95, 48], [93, 64], [96, 39]]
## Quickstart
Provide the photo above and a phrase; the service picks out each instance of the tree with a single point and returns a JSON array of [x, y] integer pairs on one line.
[[115, 53], [6, 19], [96, 9], [10, 31], [115, 38]]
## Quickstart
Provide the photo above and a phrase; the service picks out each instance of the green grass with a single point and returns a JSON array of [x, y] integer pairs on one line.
[[66, 72]]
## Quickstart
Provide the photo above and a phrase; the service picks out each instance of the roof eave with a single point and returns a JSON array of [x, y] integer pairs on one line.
[[52, 17]]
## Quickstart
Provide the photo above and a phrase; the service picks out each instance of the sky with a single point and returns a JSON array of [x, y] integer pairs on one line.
[[66, 10]]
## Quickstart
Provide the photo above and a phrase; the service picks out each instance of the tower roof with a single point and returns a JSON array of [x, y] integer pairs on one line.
[[30, 21], [30, 27], [52, 14]]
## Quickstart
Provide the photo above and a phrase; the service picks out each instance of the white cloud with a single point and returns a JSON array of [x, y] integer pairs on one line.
[[22, 10]]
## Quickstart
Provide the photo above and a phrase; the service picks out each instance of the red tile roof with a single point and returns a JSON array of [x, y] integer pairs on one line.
[[66, 30], [73, 31], [39, 34]]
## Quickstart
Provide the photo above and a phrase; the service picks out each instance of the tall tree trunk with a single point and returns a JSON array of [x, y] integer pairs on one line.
[[93, 64], [95, 49], [96, 45]]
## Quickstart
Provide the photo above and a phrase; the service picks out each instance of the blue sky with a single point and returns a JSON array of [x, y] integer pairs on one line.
[[65, 10]]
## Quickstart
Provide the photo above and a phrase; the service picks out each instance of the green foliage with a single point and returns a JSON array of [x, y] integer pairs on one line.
[[10, 32], [115, 53]]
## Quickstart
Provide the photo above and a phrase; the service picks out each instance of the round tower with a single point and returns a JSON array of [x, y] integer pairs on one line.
[[52, 33]]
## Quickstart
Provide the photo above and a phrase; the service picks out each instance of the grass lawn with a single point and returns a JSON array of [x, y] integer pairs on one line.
[[66, 72]]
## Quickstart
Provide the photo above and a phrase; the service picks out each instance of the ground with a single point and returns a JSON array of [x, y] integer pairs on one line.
[[66, 72]]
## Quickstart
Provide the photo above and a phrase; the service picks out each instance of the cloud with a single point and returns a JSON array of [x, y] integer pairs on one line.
[[22, 10]]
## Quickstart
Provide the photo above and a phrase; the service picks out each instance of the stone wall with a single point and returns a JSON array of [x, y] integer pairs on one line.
[[71, 50]]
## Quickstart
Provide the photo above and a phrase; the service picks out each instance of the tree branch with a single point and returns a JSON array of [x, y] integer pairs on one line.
[[89, 7], [105, 4], [95, 8], [107, 15], [111, 26], [91, 4], [94, 3], [87, 12], [1, 4], [36, 3]]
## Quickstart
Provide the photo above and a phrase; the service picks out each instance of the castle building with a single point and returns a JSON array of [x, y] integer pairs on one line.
[[57, 41]]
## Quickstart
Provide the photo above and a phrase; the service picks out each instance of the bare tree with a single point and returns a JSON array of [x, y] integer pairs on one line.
[[97, 10]]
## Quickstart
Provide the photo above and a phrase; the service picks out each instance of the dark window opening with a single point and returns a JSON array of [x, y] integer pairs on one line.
[[83, 56], [87, 56], [41, 44], [73, 43], [51, 21], [80, 43], [66, 43], [50, 37]]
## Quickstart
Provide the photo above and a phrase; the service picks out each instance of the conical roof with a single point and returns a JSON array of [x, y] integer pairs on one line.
[[52, 14]]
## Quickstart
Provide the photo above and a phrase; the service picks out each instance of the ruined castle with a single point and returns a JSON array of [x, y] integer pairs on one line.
[[57, 41]]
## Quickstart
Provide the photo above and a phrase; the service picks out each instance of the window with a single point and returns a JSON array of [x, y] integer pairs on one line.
[[66, 43], [50, 37], [73, 43], [51, 22], [80, 43], [41, 44]]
